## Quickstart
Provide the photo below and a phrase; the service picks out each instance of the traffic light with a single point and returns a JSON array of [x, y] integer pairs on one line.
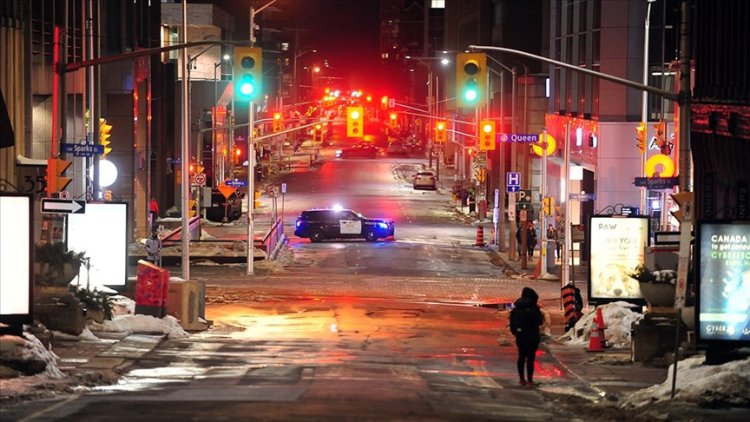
[[278, 122], [441, 127], [487, 135], [104, 135], [318, 134], [471, 79], [56, 180], [355, 120], [393, 119], [640, 137], [384, 103], [247, 69], [684, 202]]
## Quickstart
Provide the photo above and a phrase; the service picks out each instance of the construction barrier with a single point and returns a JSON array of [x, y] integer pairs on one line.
[[572, 304]]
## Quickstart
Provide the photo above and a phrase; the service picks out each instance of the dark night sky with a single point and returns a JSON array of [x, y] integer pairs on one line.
[[345, 32]]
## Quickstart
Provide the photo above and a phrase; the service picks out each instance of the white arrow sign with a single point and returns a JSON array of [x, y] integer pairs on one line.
[[64, 206]]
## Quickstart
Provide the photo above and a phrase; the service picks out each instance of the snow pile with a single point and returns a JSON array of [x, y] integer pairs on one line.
[[28, 355], [705, 385], [145, 324], [618, 319], [122, 305]]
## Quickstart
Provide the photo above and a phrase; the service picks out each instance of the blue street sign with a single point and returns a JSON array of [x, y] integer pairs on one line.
[[512, 189], [582, 196], [518, 137], [236, 183], [83, 150], [512, 178]]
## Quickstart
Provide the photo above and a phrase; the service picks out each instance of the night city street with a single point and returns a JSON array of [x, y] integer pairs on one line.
[[374, 210]]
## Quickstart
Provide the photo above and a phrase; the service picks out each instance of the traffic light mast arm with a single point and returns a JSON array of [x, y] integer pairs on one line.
[[656, 91]]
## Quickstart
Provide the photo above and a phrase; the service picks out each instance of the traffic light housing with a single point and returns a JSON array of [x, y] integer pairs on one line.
[[393, 119], [247, 68], [318, 133], [56, 180], [685, 202], [384, 103], [441, 128], [355, 119], [640, 137], [278, 122], [487, 135], [104, 135], [471, 79]]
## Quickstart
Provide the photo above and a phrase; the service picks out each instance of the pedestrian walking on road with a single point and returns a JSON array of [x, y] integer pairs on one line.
[[531, 238], [525, 320]]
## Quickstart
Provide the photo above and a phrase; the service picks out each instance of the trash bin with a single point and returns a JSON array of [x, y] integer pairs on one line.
[[151, 289]]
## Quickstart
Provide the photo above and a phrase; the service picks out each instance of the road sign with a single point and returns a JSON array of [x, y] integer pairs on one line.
[[512, 178], [63, 206], [226, 190], [524, 196], [512, 189], [83, 150], [199, 179], [582, 196], [518, 137], [236, 183], [657, 183]]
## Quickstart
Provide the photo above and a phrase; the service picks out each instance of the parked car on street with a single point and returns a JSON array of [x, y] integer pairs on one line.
[[334, 223], [425, 180]]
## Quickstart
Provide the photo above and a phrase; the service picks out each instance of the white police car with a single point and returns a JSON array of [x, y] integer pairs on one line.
[[338, 223]]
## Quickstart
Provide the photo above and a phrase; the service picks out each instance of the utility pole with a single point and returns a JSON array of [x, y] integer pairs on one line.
[[185, 156]]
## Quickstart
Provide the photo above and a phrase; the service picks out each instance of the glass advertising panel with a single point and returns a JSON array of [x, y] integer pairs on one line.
[[723, 288], [15, 259], [617, 247], [102, 233]]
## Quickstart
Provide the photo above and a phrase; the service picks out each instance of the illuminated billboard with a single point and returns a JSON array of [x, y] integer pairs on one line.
[[723, 285], [16, 242], [102, 234], [617, 246]]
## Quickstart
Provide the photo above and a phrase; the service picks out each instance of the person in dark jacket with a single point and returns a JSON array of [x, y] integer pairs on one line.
[[525, 320]]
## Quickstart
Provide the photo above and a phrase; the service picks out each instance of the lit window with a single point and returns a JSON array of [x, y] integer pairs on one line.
[[438, 4]]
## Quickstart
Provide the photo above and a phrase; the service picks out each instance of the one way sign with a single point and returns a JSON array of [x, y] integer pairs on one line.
[[63, 206]]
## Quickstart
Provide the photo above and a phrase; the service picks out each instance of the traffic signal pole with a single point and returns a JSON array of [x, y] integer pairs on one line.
[[185, 156]]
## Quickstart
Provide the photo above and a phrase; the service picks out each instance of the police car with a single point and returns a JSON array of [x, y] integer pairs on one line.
[[339, 223]]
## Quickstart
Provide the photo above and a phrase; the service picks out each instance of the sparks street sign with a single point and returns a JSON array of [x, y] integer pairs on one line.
[[63, 206], [582, 196], [657, 183], [236, 183], [83, 150], [518, 137]]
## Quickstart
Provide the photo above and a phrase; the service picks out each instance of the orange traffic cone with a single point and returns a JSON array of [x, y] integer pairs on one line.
[[480, 236], [600, 319], [595, 342]]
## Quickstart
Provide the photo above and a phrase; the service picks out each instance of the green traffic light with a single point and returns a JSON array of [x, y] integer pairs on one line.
[[471, 93], [246, 85]]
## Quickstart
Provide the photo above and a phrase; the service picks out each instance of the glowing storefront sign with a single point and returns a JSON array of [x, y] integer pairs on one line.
[[102, 234], [15, 259], [617, 247], [723, 285]]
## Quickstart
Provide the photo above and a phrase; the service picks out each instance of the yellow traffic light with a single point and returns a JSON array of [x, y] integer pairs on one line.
[[471, 79], [640, 137], [247, 68], [487, 135], [56, 180], [441, 127], [384, 103], [278, 122], [104, 135], [393, 117], [318, 133], [355, 122]]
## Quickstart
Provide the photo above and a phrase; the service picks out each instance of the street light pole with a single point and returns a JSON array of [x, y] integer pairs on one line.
[[644, 103], [185, 203]]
